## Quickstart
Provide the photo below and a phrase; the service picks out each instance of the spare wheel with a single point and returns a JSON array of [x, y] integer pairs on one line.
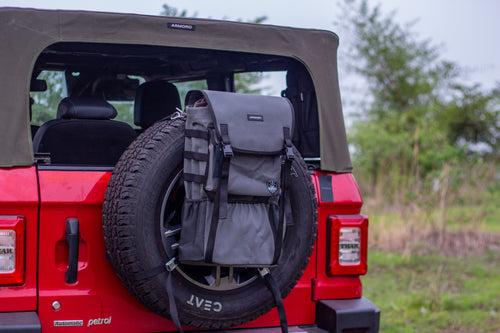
[[141, 217]]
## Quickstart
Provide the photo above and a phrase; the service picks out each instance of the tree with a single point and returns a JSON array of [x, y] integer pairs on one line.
[[417, 116], [174, 12]]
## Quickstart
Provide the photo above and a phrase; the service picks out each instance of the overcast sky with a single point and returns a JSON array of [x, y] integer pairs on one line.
[[468, 31]]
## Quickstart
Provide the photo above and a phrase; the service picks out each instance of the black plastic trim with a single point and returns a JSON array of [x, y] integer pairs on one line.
[[337, 316], [325, 188], [19, 322], [74, 167], [73, 240], [291, 329]]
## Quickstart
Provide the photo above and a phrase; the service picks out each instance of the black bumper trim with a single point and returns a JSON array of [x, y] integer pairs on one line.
[[335, 316], [19, 322], [291, 329]]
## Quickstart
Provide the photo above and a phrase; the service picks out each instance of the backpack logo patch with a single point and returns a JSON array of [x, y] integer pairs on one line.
[[272, 186], [255, 117]]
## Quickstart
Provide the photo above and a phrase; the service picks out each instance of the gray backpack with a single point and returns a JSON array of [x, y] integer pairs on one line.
[[238, 153]]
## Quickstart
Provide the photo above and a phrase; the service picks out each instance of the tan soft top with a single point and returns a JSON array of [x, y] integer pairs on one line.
[[25, 33]]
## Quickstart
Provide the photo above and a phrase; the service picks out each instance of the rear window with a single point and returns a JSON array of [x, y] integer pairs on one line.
[[185, 86], [262, 83], [45, 103]]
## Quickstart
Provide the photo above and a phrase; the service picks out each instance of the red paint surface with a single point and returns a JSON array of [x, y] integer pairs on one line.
[[346, 201], [99, 293], [19, 197]]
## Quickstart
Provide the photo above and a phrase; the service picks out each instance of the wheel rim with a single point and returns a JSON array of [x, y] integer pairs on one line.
[[212, 278]]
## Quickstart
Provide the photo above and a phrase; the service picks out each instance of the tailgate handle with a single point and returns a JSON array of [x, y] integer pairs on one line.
[[72, 238]]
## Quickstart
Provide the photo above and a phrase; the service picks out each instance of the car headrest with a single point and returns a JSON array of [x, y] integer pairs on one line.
[[155, 100], [85, 108]]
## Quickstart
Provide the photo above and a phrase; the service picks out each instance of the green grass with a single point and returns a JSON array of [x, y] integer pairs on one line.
[[485, 213], [435, 294]]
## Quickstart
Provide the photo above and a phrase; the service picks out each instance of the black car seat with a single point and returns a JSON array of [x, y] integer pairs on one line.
[[155, 100], [84, 134]]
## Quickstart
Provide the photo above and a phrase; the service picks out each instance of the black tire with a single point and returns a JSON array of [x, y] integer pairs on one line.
[[134, 242]]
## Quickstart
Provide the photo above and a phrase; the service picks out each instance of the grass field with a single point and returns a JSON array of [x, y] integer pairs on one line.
[[426, 282], [434, 293]]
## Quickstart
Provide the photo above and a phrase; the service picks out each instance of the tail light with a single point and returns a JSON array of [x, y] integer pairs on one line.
[[348, 241], [11, 249]]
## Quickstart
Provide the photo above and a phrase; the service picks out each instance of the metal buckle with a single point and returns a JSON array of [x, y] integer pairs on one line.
[[290, 155], [171, 265], [228, 151], [177, 114], [264, 271]]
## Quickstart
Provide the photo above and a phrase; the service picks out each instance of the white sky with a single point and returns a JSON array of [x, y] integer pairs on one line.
[[468, 31]]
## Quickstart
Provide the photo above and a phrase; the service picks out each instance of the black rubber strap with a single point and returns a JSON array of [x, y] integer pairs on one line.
[[226, 162], [283, 201], [199, 134], [224, 133], [223, 184], [221, 197], [273, 287], [278, 242], [271, 213], [287, 136], [191, 177], [174, 315], [191, 155], [214, 223]]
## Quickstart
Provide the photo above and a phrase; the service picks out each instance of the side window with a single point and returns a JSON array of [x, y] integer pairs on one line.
[[45, 103], [186, 86], [125, 111], [125, 108], [262, 83]]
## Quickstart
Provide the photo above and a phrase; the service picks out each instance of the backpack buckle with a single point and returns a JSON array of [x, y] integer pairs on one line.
[[171, 265], [290, 155], [228, 151], [264, 271]]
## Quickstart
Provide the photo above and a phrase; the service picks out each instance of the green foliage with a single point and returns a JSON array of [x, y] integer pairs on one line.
[[125, 111], [418, 117], [247, 83], [45, 103], [174, 12]]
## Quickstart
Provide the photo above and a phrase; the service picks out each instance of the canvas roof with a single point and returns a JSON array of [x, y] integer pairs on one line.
[[25, 33]]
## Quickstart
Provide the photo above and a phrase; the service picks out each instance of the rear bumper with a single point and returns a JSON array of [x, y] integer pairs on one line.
[[360, 314], [19, 322], [332, 316]]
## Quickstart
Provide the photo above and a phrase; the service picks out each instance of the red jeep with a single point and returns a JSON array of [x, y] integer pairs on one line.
[[77, 254]]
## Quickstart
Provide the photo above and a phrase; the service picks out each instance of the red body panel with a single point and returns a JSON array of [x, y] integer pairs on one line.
[[100, 294], [19, 197], [347, 201]]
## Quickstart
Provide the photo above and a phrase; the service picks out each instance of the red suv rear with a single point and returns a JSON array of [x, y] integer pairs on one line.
[[55, 274]]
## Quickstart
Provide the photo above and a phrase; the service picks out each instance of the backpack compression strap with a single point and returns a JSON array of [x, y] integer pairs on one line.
[[273, 287], [283, 201], [168, 268], [221, 196]]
